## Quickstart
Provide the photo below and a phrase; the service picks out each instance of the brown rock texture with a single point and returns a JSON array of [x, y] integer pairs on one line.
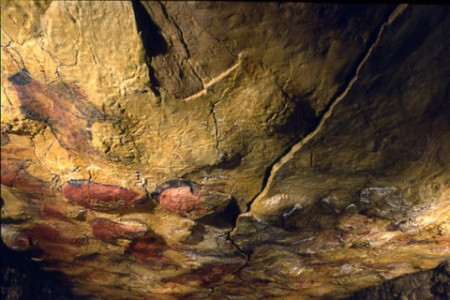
[[429, 284], [23, 279], [225, 150]]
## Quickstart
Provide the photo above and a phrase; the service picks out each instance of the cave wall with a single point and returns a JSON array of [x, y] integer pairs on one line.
[[23, 279], [429, 284], [203, 150]]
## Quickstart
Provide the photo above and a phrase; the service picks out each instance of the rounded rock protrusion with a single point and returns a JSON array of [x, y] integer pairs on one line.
[[190, 199]]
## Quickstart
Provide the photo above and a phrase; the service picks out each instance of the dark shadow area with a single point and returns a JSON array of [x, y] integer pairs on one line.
[[425, 285], [197, 235], [346, 74], [24, 279], [152, 39], [225, 219], [303, 119], [153, 81], [230, 163], [21, 78]]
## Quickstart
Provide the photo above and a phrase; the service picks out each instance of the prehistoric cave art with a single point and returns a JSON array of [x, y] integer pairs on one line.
[[49, 105], [215, 150], [98, 196]]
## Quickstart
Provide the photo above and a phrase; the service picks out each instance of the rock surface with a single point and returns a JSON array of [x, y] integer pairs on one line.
[[203, 150], [430, 284], [23, 279]]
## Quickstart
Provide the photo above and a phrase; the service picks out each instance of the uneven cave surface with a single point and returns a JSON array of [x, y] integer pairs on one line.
[[22, 278], [224, 150]]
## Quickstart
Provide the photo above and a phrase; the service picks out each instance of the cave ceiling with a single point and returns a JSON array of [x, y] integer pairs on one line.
[[225, 150]]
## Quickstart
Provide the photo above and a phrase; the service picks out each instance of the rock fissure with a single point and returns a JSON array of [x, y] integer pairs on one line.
[[287, 155], [142, 158], [216, 127], [179, 31], [20, 66], [42, 67], [152, 42]]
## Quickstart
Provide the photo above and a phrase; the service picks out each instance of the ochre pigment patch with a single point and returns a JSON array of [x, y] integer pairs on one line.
[[60, 106], [181, 200], [47, 234], [206, 275], [98, 196], [190, 199], [108, 231], [14, 174], [150, 251], [286, 157], [50, 212], [58, 252]]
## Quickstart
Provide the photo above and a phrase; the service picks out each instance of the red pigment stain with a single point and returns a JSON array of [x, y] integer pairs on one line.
[[150, 251], [62, 107], [206, 275], [107, 231], [98, 196], [46, 234], [58, 252], [13, 174], [49, 212], [182, 200]]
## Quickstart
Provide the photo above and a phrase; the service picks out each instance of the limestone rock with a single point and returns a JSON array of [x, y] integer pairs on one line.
[[430, 284], [211, 150]]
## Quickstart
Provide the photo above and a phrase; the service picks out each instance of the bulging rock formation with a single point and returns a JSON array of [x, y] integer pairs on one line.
[[216, 150]]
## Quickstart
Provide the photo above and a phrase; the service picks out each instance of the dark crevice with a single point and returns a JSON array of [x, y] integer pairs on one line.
[[230, 163], [152, 40], [225, 219], [154, 43], [243, 252], [154, 82]]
